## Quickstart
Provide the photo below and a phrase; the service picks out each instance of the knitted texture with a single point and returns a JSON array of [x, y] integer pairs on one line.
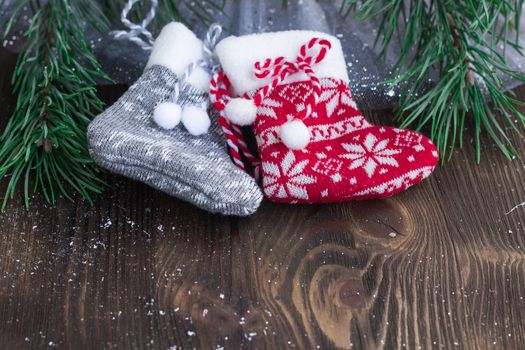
[[125, 140], [314, 145], [347, 157]]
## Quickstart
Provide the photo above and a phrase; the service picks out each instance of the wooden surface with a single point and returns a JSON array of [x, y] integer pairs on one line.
[[440, 266]]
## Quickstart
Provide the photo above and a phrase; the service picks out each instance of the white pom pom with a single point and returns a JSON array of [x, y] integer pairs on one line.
[[294, 134], [241, 111], [167, 115], [196, 120]]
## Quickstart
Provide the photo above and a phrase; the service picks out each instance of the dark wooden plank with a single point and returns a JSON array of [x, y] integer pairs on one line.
[[439, 266]]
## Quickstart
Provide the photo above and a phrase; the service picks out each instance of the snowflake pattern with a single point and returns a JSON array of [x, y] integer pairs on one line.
[[298, 93], [268, 107], [370, 154], [336, 95], [340, 162], [328, 167], [287, 179]]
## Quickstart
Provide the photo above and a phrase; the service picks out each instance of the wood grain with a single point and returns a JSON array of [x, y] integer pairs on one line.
[[441, 266]]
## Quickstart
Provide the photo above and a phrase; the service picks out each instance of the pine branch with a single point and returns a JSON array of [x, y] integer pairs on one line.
[[44, 145], [450, 38]]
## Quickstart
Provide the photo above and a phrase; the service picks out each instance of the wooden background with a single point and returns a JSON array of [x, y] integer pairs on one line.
[[440, 266]]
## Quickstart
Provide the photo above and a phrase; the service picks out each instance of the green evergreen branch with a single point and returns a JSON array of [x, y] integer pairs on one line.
[[449, 37], [44, 143]]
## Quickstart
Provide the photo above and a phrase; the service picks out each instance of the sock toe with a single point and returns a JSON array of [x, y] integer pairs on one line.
[[414, 156]]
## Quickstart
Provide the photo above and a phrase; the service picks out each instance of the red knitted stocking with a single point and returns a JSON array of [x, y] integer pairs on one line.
[[347, 158], [314, 145]]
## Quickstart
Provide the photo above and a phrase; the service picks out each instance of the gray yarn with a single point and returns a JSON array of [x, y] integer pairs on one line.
[[135, 30], [125, 140]]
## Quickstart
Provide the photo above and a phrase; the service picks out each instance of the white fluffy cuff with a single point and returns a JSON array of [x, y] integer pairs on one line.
[[238, 55], [177, 47]]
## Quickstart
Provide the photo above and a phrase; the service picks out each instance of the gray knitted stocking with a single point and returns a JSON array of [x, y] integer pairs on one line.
[[125, 139]]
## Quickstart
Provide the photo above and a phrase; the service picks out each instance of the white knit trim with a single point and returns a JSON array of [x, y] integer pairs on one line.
[[176, 48], [237, 56]]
